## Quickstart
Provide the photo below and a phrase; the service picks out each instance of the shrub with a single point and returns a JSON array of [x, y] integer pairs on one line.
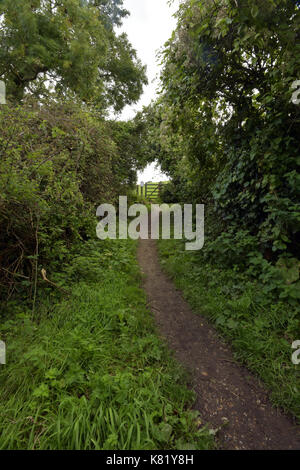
[[56, 167]]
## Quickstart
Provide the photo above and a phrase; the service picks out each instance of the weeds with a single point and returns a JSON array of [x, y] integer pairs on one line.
[[260, 330], [90, 371]]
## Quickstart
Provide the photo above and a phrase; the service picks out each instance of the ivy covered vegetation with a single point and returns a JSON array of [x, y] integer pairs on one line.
[[227, 132]]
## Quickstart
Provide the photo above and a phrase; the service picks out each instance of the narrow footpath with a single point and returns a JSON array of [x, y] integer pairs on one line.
[[228, 395]]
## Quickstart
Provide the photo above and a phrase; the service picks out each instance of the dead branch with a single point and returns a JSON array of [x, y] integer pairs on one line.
[[44, 276]]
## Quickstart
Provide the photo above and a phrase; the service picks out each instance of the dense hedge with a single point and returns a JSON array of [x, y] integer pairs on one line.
[[229, 132], [58, 163]]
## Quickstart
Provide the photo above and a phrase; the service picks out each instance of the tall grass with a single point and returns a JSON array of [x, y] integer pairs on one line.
[[89, 372], [260, 331]]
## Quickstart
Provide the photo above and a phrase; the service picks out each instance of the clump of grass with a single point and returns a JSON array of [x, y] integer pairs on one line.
[[260, 331], [89, 372]]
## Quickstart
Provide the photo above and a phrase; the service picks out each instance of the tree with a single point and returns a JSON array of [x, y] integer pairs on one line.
[[112, 9], [73, 44], [228, 75]]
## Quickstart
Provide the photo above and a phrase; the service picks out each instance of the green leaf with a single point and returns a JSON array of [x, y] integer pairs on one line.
[[42, 391]]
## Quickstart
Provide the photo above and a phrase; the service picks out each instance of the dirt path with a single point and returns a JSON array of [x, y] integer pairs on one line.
[[225, 390]]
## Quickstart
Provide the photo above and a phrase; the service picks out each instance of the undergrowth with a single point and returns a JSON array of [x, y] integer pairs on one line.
[[88, 370], [260, 328]]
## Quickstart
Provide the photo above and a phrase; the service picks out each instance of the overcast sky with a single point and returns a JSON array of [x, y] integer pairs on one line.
[[148, 27]]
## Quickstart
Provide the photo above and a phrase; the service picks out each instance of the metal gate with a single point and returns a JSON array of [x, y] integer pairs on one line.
[[150, 191]]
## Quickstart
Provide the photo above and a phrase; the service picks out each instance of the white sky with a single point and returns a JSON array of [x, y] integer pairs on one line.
[[148, 27]]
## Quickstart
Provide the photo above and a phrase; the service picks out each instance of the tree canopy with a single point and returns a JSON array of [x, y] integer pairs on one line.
[[229, 131], [74, 45]]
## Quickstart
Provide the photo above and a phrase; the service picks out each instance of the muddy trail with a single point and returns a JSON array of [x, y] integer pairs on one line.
[[226, 391]]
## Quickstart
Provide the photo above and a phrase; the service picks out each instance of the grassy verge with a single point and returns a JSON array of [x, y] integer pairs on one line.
[[88, 371], [261, 334]]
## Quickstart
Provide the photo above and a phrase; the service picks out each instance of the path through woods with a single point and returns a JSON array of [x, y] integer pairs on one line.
[[225, 390]]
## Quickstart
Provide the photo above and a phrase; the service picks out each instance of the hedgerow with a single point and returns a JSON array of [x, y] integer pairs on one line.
[[58, 163]]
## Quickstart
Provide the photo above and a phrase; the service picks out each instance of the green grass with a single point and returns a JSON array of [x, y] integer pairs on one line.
[[89, 371], [260, 332]]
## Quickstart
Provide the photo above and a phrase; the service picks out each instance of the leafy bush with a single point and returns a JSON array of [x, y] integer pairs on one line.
[[229, 131], [260, 317], [57, 165]]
